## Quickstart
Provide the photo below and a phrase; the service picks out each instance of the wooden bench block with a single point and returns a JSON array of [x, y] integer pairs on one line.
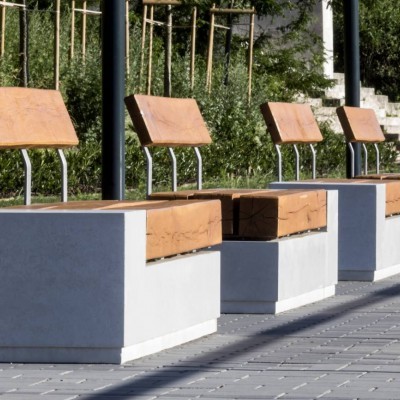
[[233, 214], [291, 123], [392, 191], [277, 213], [229, 203], [360, 124], [383, 176], [172, 227]]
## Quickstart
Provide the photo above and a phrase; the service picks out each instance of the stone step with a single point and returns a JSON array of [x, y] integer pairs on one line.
[[339, 78], [391, 129], [390, 121], [393, 109]]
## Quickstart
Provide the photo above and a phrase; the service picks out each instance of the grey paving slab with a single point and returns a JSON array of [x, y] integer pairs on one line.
[[344, 347]]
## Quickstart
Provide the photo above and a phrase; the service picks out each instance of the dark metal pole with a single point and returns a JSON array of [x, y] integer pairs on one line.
[[113, 84], [352, 71]]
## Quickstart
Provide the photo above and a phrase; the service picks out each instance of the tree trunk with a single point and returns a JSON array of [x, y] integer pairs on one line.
[[23, 46]]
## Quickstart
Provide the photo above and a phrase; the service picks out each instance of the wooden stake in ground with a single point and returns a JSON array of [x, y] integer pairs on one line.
[[251, 40], [84, 7], [168, 54], [3, 30], [72, 45], [193, 49], [57, 46], [127, 38], [150, 65], [210, 50], [144, 25], [23, 45]]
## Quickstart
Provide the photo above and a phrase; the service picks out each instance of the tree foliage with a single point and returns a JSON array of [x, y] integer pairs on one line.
[[379, 44]]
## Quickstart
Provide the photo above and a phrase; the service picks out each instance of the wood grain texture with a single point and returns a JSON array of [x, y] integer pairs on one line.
[[383, 176], [163, 121], [291, 123], [277, 213], [229, 199], [34, 118], [172, 227], [360, 125]]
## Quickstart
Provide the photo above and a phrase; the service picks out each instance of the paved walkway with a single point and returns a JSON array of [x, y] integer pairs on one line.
[[346, 347]]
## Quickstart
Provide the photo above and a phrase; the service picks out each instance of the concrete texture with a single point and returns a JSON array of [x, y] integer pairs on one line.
[[368, 242], [75, 287], [277, 275], [344, 347]]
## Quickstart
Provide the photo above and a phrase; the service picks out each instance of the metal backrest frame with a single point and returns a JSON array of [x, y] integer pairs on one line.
[[360, 125], [36, 119], [292, 124], [168, 122]]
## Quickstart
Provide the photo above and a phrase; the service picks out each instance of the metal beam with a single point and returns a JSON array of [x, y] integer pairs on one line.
[[113, 84], [352, 72]]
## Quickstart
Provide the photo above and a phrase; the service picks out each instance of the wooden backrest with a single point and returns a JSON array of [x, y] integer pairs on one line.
[[291, 123], [360, 125], [164, 121], [34, 118]]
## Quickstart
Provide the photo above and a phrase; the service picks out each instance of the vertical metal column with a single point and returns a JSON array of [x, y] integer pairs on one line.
[[352, 72], [113, 84]]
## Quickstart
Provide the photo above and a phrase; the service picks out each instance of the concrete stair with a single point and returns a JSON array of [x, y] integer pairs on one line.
[[388, 113]]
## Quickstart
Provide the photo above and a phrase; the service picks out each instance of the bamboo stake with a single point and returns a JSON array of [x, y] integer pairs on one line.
[[251, 40], [168, 54], [57, 46], [3, 30], [144, 19], [72, 47], [84, 6], [149, 70], [210, 51], [127, 37], [193, 48]]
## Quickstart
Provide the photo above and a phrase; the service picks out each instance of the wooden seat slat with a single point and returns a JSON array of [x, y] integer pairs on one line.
[[170, 122], [34, 118], [171, 228], [360, 125], [290, 123], [241, 215]]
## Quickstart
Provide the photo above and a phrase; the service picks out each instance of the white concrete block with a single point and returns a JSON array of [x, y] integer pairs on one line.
[[278, 275], [75, 287], [368, 241]]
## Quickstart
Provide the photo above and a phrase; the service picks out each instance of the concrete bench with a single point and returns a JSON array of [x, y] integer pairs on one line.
[[258, 275], [104, 281], [369, 220]]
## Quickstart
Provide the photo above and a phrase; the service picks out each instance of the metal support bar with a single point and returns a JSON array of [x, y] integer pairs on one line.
[[64, 175], [149, 171], [365, 150], [297, 162], [199, 168], [278, 150], [174, 185], [352, 156], [377, 158], [314, 161], [28, 177]]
